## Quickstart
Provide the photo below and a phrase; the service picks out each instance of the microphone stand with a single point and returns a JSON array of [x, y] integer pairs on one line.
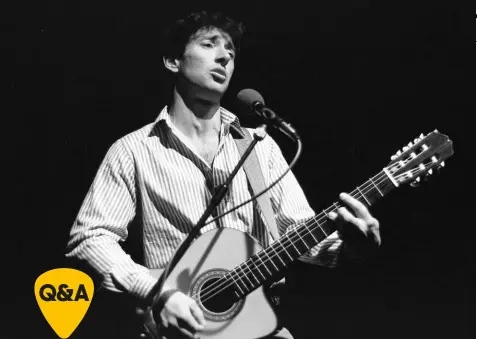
[[217, 197]]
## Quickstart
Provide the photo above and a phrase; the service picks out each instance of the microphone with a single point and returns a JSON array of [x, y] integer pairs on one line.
[[255, 103]]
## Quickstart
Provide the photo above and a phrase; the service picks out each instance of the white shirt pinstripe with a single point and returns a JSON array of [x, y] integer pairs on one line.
[[156, 173]]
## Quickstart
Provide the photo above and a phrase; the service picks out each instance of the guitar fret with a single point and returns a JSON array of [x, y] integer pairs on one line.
[[263, 264], [285, 249], [377, 188], [277, 254], [311, 233], [256, 266], [302, 245], [269, 259], [321, 228], [367, 201], [245, 275], [251, 272], [291, 242], [235, 281], [308, 237], [299, 236]]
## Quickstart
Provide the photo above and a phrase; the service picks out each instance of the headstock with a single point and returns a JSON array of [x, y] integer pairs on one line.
[[420, 157]]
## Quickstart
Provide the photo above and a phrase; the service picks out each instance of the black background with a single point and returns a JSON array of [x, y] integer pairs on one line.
[[358, 79]]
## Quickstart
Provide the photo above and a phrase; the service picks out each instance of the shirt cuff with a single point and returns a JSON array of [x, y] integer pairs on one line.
[[143, 286], [327, 253]]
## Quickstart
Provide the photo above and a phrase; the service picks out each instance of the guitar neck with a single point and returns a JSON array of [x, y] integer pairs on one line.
[[269, 262]]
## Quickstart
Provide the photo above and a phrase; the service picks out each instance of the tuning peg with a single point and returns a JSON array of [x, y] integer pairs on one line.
[[436, 130], [394, 157], [421, 136], [416, 182], [416, 141], [408, 146], [429, 172], [442, 164]]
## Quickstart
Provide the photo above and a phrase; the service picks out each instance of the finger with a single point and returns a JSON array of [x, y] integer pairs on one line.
[[347, 216], [197, 314], [190, 321], [360, 210], [332, 216], [354, 226]]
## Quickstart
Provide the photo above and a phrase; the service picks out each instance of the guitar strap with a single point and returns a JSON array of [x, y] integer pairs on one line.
[[256, 180]]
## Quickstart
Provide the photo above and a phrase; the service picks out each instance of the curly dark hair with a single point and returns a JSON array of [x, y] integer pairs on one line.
[[175, 38]]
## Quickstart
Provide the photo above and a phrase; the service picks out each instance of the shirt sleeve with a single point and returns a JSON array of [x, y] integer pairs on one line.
[[102, 222], [291, 208]]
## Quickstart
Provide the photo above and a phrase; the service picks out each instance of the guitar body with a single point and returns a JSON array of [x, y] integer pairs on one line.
[[208, 258]]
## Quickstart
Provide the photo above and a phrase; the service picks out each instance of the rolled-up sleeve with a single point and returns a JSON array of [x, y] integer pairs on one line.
[[291, 209], [102, 223]]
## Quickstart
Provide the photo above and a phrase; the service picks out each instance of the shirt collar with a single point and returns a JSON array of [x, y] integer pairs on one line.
[[229, 120]]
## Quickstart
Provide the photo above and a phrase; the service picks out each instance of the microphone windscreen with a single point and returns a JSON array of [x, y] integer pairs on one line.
[[248, 97]]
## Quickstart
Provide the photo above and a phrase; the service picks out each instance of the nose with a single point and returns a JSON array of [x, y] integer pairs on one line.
[[222, 56]]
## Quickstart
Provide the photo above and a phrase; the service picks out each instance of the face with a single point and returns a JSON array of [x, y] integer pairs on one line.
[[207, 65]]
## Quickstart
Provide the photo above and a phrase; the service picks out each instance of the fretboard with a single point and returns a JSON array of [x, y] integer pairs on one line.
[[271, 261]]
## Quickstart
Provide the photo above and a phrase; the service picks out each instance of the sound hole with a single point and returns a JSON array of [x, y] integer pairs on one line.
[[216, 296]]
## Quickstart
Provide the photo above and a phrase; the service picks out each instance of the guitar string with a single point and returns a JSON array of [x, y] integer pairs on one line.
[[374, 179], [300, 234], [311, 221], [297, 236], [211, 290], [262, 262], [396, 164]]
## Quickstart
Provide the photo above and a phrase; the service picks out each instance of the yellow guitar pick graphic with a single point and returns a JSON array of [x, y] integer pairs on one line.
[[64, 296]]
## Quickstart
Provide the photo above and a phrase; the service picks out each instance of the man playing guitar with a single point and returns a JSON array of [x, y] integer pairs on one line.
[[166, 171]]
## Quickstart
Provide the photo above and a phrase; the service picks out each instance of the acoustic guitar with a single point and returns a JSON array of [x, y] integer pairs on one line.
[[225, 270]]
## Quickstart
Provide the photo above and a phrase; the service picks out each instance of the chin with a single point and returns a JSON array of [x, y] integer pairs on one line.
[[213, 93]]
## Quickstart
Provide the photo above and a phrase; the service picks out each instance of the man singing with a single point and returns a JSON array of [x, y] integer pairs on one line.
[[164, 174]]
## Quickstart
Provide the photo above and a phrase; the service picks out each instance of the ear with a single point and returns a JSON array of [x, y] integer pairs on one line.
[[171, 64]]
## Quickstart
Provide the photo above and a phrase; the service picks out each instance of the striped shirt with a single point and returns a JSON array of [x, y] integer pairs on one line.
[[156, 174]]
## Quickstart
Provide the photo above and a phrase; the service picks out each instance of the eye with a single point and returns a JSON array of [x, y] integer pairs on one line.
[[207, 44]]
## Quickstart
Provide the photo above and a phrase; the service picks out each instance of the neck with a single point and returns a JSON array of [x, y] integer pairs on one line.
[[194, 117]]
